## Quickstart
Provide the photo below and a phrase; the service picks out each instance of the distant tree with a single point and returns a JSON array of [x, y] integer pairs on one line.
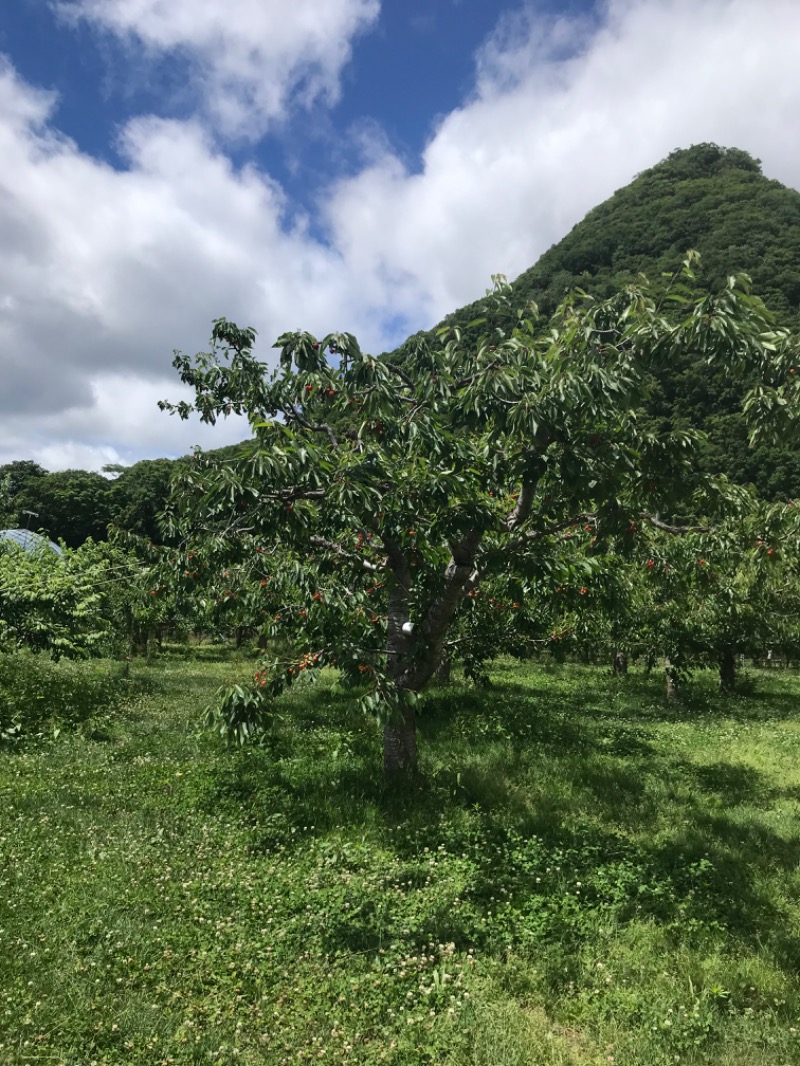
[[15, 478], [720, 592], [72, 505], [138, 495]]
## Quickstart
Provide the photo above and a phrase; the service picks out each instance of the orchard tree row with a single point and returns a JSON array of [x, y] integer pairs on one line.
[[478, 497], [685, 596], [117, 598]]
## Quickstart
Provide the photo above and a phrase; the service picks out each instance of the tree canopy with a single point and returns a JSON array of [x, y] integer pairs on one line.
[[390, 490]]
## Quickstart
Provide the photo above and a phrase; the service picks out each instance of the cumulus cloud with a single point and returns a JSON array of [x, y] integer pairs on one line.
[[105, 270], [251, 58], [123, 409], [564, 112]]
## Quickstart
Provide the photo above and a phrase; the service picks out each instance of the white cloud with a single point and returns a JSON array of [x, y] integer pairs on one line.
[[75, 455], [122, 408], [251, 58], [564, 113], [104, 271]]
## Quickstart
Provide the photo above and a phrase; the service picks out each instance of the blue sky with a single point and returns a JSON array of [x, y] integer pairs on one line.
[[411, 66], [414, 63], [353, 164]]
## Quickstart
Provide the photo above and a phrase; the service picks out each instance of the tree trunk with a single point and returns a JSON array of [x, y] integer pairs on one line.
[[444, 669], [140, 642], [670, 679], [414, 651], [400, 744], [727, 672], [620, 662], [400, 734]]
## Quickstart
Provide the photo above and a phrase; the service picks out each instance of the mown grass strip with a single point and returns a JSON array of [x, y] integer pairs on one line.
[[582, 875]]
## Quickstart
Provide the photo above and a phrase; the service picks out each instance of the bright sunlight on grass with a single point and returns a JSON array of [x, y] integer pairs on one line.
[[582, 875]]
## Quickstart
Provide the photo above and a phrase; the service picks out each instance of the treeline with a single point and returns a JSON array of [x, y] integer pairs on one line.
[[73, 505]]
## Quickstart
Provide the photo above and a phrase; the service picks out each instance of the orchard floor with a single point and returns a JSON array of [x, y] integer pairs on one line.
[[582, 875]]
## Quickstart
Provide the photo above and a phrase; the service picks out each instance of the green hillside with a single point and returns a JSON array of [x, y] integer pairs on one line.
[[717, 201]]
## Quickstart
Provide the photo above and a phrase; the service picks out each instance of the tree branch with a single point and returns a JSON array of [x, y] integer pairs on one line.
[[522, 510], [402, 375], [462, 383], [656, 522], [289, 495], [440, 612], [292, 414], [337, 549]]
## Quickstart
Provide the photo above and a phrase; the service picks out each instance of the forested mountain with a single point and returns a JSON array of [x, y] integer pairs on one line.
[[713, 199], [717, 201]]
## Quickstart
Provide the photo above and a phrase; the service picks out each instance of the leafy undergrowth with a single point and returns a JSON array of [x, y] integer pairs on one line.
[[581, 876], [40, 697]]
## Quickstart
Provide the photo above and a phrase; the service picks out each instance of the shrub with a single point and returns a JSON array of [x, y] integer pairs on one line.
[[38, 695]]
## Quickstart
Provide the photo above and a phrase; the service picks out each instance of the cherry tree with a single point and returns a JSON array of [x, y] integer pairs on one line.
[[381, 495], [721, 591]]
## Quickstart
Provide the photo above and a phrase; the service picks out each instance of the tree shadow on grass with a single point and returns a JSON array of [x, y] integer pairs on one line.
[[733, 783], [697, 886], [641, 698], [648, 836], [331, 778], [530, 715]]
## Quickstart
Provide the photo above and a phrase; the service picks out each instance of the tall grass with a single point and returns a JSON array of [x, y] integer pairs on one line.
[[39, 696]]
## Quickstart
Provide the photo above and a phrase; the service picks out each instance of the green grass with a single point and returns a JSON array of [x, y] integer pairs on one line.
[[582, 875], [39, 697]]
